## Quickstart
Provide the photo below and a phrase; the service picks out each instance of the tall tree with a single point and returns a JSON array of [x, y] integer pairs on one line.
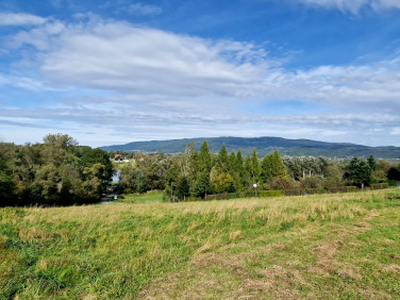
[[372, 162], [6, 184], [183, 189], [205, 158], [255, 170], [201, 184], [223, 160], [272, 166], [359, 172], [242, 175]]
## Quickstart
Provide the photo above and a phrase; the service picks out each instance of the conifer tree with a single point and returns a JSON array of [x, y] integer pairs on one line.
[[272, 166], [223, 160], [255, 169]]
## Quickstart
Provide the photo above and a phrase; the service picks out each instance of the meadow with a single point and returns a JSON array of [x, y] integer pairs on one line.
[[148, 197], [317, 246]]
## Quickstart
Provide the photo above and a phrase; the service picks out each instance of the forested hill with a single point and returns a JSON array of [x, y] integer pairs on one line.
[[263, 145]]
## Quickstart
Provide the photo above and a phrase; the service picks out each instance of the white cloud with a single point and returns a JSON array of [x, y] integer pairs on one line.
[[144, 9], [126, 6], [154, 84], [395, 131], [144, 63], [121, 57], [20, 19], [353, 6]]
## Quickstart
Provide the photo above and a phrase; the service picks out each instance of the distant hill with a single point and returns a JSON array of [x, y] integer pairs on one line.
[[264, 145]]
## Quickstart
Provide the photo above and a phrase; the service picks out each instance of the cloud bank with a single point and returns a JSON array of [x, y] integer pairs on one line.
[[353, 6], [137, 83]]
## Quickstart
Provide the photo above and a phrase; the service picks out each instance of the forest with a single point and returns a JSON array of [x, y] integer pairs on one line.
[[60, 172]]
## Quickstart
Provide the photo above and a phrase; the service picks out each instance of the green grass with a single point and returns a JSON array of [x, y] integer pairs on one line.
[[149, 197], [319, 246]]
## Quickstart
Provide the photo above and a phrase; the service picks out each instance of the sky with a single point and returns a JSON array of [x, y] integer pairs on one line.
[[113, 72]]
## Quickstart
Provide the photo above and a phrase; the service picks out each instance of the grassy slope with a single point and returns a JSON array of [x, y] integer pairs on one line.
[[321, 246]]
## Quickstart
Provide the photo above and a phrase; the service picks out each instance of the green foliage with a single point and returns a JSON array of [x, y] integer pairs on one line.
[[221, 182], [171, 183], [394, 173], [131, 179], [92, 156], [380, 173], [222, 164], [57, 172], [282, 183], [302, 166], [379, 186], [272, 166], [192, 199], [148, 197], [205, 161], [311, 182], [254, 167], [154, 168], [183, 189], [359, 172], [6, 184], [202, 185], [372, 162]]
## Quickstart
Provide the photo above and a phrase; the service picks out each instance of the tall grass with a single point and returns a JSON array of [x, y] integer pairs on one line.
[[134, 250]]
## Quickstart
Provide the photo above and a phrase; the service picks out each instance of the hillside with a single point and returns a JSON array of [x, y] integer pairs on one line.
[[315, 247], [264, 145]]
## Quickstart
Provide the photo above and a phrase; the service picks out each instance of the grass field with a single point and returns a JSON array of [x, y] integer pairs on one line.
[[151, 196], [320, 246]]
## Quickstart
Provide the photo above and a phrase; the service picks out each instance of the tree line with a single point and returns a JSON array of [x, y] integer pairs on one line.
[[60, 172], [55, 172], [200, 173]]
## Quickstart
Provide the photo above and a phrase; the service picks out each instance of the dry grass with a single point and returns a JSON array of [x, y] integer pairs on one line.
[[319, 246]]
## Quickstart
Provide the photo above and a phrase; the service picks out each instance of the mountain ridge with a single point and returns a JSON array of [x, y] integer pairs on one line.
[[264, 145]]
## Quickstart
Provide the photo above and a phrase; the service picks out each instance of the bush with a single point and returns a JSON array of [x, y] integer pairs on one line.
[[379, 186], [282, 182], [293, 192], [311, 183], [351, 188], [312, 191], [392, 182], [342, 189]]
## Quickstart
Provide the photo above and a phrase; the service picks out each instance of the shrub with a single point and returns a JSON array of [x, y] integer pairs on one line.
[[392, 182], [311, 182], [342, 189], [379, 186], [292, 192]]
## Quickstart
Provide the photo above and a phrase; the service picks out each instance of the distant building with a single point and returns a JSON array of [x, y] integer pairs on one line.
[[119, 158]]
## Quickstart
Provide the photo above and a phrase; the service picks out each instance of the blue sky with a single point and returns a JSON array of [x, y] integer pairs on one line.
[[109, 72]]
